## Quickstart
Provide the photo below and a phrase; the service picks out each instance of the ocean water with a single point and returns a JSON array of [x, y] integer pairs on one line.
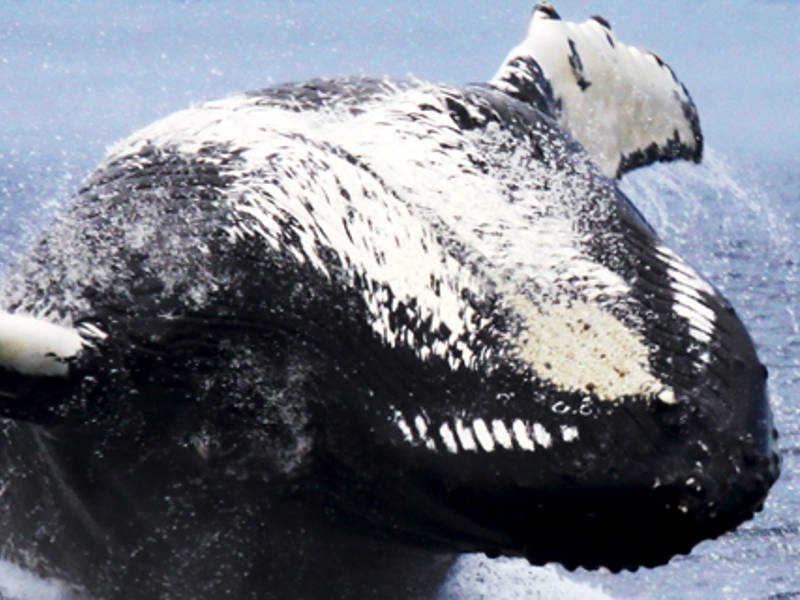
[[73, 78]]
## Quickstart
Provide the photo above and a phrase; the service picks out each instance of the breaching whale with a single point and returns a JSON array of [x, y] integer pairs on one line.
[[313, 340]]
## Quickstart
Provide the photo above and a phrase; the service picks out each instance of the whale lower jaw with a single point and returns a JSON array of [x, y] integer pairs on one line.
[[591, 502]]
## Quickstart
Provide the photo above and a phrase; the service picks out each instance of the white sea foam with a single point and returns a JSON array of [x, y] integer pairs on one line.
[[18, 584], [475, 577]]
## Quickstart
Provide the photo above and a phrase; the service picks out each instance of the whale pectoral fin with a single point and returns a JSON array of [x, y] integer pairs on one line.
[[624, 105], [36, 347], [35, 357]]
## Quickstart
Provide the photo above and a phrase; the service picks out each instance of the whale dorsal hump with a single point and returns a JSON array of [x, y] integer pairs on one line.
[[624, 105]]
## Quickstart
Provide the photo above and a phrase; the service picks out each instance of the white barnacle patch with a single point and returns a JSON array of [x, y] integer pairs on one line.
[[401, 423], [580, 348], [501, 434], [465, 436], [542, 436], [569, 433], [688, 289], [448, 438], [522, 435], [484, 436], [33, 346]]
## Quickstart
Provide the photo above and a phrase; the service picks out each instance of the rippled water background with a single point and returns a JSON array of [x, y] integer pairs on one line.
[[76, 76]]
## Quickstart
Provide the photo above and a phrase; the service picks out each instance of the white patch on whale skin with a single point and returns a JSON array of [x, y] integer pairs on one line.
[[485, 438], [401, 423], [382, 215], [580, 348], [569, 433], [542, 436], [448, 438], [421, 423], [377, 234], [33, 346], [626, 99], [502, 435], [465, 436], [688, 289], [522, 436]]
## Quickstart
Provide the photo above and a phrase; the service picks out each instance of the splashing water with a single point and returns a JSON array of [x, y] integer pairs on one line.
[[476, 577], [17, 584]]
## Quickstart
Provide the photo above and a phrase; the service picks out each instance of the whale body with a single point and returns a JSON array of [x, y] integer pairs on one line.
[[314, 340]]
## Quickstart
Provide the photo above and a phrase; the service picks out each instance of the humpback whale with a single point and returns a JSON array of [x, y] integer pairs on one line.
[[316, 339]]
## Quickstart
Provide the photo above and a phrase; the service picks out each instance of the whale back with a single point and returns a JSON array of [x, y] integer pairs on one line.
[[624, 105]]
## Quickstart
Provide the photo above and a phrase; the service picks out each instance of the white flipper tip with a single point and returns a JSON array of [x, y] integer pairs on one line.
[[625, 106], [33, 346]]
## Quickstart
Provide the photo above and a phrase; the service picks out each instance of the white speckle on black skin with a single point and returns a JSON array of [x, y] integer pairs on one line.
[[569, 433], [542, 436]]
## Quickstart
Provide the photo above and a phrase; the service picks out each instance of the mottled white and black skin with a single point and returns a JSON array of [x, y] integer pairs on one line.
[[624, 105], [312, 341]]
